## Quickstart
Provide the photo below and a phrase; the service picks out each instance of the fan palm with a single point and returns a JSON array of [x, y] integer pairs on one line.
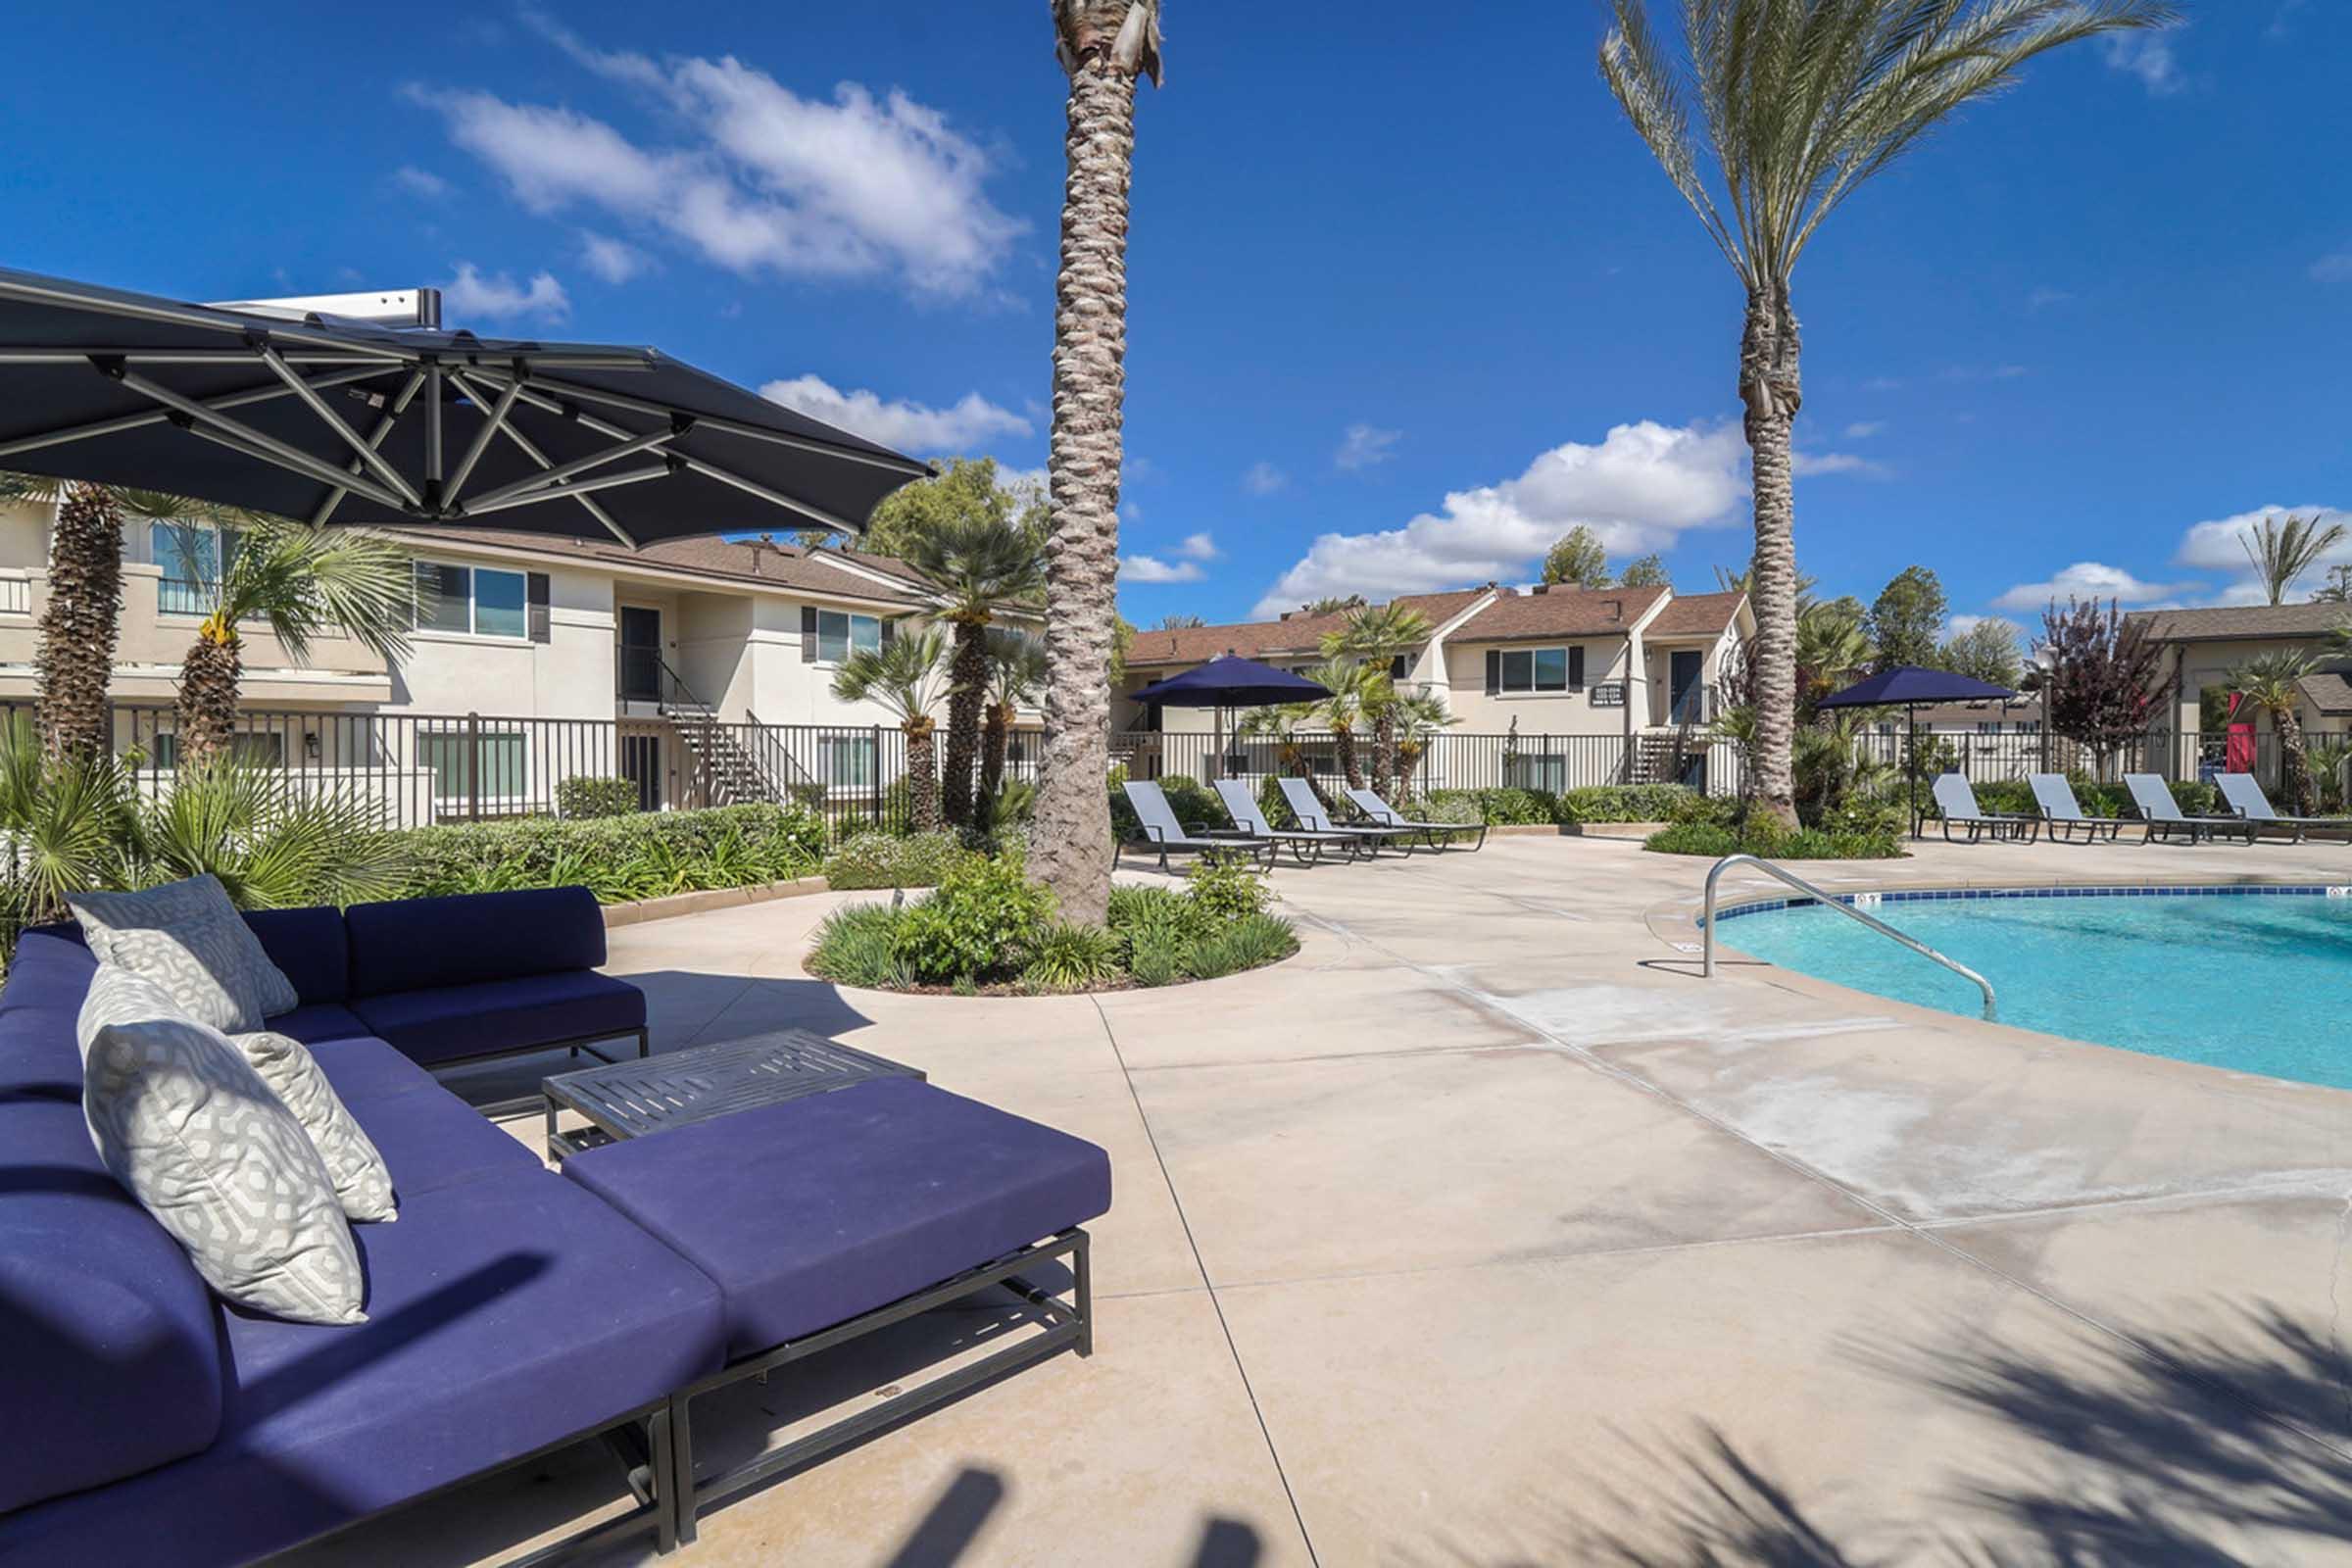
[[2281, 550], [1279, 724], [1832, 649], [1356, 690], [1103, 45], [979, 563], [1016, 672], [1419, 719], [1377, 634], [1802, 101], [2271, 682], [304, 583], [903, 676]]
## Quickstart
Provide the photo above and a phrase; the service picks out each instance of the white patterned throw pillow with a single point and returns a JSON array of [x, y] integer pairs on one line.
[[190, 939], [191, 1130], [362, 1182]]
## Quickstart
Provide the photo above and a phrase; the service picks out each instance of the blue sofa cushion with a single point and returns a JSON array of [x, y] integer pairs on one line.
[[47, 977], [109, 1359], [366, 1068], [447, 1022], [426, 944], [50, 968], [433, 1139], [314, 1024], [811, 1212], [501, 1314], [309, 947]]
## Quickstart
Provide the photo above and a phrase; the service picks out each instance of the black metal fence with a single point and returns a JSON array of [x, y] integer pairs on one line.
[[1551, 762]]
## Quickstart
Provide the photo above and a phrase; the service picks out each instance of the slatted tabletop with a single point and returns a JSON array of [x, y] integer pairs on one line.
[[649, 1094]]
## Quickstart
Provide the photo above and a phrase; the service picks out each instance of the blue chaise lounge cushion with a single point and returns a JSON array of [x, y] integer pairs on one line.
[[503, 1315], [431, 944], [109, 1359], [814, 1211], [471, 1020]]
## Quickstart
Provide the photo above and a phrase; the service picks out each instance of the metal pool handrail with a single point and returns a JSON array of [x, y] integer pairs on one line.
[[1830, 900]]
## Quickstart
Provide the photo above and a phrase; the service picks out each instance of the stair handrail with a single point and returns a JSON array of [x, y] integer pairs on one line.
[[677, 695], [775, 749], [1831, 901]]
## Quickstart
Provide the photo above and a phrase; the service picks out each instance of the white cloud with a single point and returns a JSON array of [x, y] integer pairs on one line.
[[917, 427], [2044, 298], [1638, 489], [1151, 569], [1364, 446], [1962, 625], [615, 261], [1864, 429], [2335, 267], [1809, 464], [767, 181], [2090, 579], [2147, 56], [1129, 513], [1264, 479], [472, 296], [1024, 482], [2280, 27], [1883, 384], [2215, 545], [1198, 547], [420, 182]]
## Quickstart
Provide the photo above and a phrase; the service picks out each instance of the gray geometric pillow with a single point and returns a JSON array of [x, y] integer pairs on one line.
[[189, 939], [286, 1065], [191, 1130]]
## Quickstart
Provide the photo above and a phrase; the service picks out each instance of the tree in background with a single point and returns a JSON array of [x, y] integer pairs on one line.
[[1181, 622], [1987, 652], [1332, 605], [304, 583], [1375, 635], [1906, 618], [1803, 101], [1833, 649], [982, 565], [1420, 718], [969, 489], [1356, 691], [1578, 561], [2337, 590], [2100, 680], [1646, 571], [2281, 550], [2271, 684], [902, 675], [1017, 673], [1103, 45]]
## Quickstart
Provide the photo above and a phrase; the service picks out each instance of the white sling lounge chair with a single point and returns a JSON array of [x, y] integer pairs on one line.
[[1956, 803], [2064, 816], [2246, 799], [1305, 844], [2165, 818]]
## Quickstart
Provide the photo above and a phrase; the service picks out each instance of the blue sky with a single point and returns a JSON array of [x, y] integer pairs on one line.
[[1408, 298]]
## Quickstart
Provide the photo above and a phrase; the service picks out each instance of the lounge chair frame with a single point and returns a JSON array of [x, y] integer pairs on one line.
[[2297, 828], [1305, 806], [2167, 829], [1066, 1326], [1998, 825], [1306, 844], [1199, 838], [2063, 828], [1438, 835]]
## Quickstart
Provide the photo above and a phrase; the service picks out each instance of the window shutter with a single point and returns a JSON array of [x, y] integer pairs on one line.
[[535, 593], [890, 632], [1494, 671], [1576, 669], [808, 634]]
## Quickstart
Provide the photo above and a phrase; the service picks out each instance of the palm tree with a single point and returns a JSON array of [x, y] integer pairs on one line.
[[1017, 673], [76, 659], [2270, 682], [1103, 45], [1377, 634], [1356, 690], [2283, 550], [304, 583], [1419, 719], [903, 676], [1281, 725], [1803, 102], [980, 563], [1832, 649]]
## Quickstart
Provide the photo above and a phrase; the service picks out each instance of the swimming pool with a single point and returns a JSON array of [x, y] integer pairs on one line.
[[2255, 979]]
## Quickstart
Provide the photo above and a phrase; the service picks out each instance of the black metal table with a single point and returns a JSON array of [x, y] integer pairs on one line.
[[649, 1094]]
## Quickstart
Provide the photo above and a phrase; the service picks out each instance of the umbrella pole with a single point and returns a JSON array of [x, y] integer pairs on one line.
[[1216, 768], [1911, 764]]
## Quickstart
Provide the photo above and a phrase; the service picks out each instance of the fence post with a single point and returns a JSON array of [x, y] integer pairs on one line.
[[881, 795], [474, 767]]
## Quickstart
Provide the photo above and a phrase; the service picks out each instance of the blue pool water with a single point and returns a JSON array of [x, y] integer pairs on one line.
[[2256, 981]]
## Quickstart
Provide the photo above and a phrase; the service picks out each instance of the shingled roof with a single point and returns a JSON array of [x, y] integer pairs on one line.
[[741, 561], [1296, 633], [1696, 615], [1560, 613], [2250, 622]]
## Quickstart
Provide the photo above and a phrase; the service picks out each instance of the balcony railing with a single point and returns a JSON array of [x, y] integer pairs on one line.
[[183, 596]]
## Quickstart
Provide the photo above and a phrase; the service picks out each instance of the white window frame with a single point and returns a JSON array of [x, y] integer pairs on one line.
[[848, 641], [1533, 688], [161, 528], [865, 759], [474, 613]]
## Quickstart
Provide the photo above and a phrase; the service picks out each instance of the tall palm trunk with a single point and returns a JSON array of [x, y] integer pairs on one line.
[[995, 736], [1770, 387], [1071, 846], [77, 656], [1384, 745], [967, 690], [922, 774], [207, 694], [1343, 741]]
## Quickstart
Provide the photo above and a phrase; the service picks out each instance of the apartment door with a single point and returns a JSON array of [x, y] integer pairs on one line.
[[1683, 669], [640, 654]]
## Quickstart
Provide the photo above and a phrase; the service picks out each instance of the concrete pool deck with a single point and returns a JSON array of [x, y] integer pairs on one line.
[[1485, 1231]]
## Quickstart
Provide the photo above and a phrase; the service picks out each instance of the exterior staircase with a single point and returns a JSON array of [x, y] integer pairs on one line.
[[725, 771]]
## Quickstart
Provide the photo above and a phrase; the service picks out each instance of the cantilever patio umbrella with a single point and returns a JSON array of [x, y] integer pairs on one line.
[[1230, 682], [330, 420], [1910, 687]]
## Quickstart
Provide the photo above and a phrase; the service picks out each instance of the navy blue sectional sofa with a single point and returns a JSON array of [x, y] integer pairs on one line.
[[511, 1310]]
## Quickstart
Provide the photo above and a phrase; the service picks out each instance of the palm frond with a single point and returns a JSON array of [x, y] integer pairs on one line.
[[902, 675]]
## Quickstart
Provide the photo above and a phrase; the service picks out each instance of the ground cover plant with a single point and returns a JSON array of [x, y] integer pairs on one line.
[[643, 855]]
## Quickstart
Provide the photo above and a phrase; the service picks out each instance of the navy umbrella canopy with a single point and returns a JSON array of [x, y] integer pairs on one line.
[[1231, 682], [1909, 687], [330, 420]]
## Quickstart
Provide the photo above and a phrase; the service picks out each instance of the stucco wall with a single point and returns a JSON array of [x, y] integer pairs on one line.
[[1571, 712]]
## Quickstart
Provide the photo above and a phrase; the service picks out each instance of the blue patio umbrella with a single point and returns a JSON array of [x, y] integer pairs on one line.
[[1230, 682], [1909, 687]]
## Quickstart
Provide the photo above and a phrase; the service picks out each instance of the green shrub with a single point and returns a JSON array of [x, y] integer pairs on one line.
[[584, 796], [1714, 841], [1156, 963], [1246, 944], [981, 924], [641, 856], [1225, 888], [857, 947], [1723, 811], [873, 860], [1625, 803], [1150, 916], [1504, 808], [1070, 957], [1276, 805], [1710, 839]]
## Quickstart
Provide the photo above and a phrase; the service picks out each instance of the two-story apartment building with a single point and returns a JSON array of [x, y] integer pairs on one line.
[[701, 669]]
